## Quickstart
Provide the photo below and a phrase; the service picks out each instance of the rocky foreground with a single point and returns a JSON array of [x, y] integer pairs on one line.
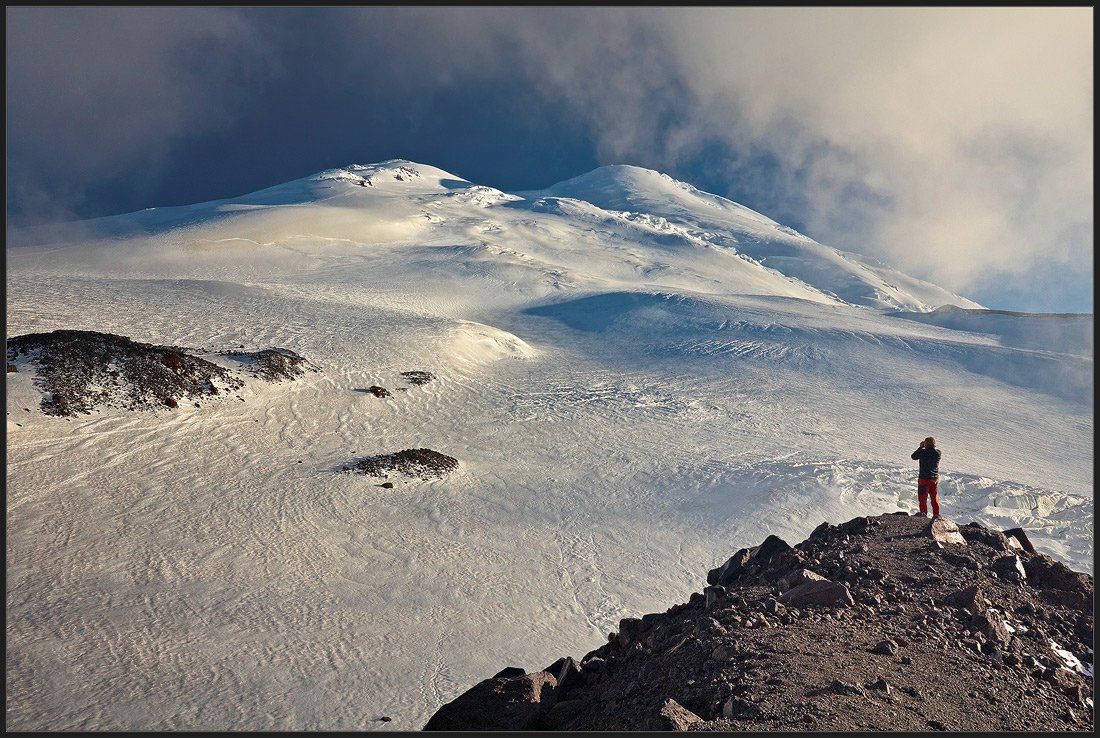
[[894, 622]]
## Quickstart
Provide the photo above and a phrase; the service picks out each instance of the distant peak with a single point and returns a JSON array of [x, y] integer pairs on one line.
[[401, 170], [628, 180], [619, 173]]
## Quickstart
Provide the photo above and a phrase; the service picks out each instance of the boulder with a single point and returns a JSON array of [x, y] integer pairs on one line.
[[798, 577], [629, 630], [674, 716], [1010, 568], [561, 715], [505, 703], [970, 598], [944, 530], [727, 572], [886, 648], [567, 672], [772, 547], [992, 627], [773, 551], [818, 592], [1018, 537], [1046, 573]]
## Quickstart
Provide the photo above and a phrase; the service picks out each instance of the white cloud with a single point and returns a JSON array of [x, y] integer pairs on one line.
[[975, 124], [953, 142]]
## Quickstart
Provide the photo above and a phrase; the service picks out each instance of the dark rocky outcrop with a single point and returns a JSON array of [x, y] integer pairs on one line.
[[890, 622], [79, 371], [500, 703], [273, 364], [415, 462]]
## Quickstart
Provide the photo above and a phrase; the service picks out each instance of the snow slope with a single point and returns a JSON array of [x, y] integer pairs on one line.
[[655, 197], [637, 379]]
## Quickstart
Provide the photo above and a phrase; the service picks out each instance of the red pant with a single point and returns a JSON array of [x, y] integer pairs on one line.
[[927, 488]]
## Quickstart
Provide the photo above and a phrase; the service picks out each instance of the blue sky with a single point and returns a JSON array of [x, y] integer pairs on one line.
[[953, 143]]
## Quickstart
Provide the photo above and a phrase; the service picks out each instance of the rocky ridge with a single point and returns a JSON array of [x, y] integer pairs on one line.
[[890, 622]]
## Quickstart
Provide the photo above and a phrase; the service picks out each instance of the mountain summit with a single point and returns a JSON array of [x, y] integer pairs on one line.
[[649, 228]]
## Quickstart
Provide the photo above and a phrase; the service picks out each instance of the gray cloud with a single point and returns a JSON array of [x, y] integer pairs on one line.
[[974, 125], [955, 143], [95, 93]]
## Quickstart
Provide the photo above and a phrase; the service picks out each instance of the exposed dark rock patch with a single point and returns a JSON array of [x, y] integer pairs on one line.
[[923, 629], [273, 364], [374, 389], [80, 370], [414, 462], [418, 377]]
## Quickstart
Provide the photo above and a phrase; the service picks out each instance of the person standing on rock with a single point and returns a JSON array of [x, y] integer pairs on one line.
[[928, 476]]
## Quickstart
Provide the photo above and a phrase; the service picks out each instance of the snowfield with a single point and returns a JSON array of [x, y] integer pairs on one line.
[[637, 379]]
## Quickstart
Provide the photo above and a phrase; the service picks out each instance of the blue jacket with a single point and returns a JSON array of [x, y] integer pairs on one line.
[[929, 459]]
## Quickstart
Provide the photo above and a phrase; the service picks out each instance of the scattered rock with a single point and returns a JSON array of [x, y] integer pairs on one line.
[[417, 377], [378, 391]]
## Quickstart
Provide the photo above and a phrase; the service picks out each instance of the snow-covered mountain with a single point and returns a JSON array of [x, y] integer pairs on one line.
[[635, 377]]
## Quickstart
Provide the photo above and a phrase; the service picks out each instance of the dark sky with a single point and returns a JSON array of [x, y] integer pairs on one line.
[[953, 143]]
